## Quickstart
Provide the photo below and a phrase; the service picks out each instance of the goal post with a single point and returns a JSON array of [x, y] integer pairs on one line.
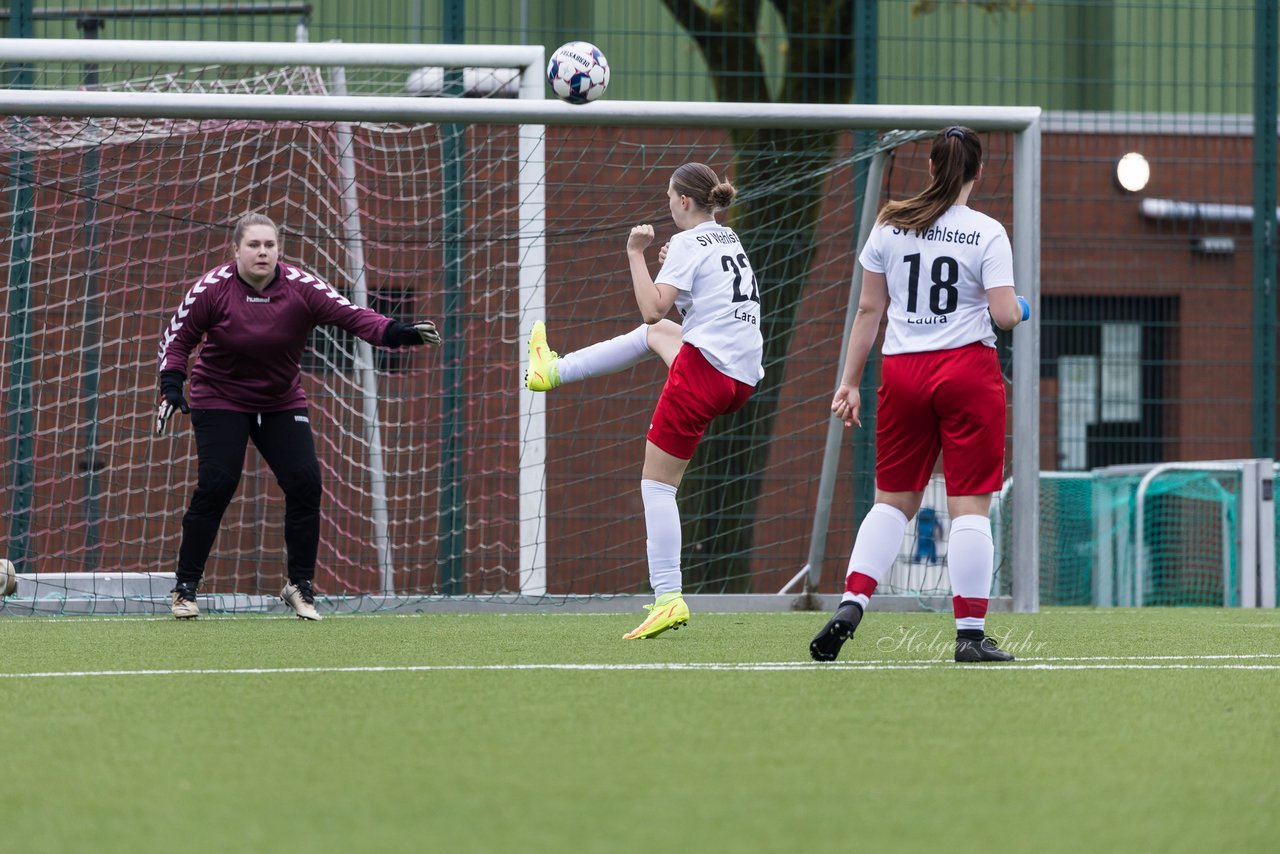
[[548, 190]]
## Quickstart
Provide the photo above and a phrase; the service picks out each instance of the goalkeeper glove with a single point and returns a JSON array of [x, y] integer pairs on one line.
[[411, 334], [171, 391]]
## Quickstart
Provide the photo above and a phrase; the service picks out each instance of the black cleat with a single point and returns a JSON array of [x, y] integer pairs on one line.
[[825, 646], [977, 647]]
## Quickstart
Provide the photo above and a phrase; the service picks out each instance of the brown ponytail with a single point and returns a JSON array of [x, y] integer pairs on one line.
[[699, 182], [957, 155]]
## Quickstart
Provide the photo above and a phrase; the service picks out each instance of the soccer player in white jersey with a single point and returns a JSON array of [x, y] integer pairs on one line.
[[943, 272], [714, 358]]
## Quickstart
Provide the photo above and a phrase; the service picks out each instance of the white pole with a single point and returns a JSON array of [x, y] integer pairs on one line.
[[398, 108], [1266, 533], [1026, 372], [1229, 593], [353, 238], [533, 306], [1104, 531], [327, 54], [1126, 544], [1247, 557]]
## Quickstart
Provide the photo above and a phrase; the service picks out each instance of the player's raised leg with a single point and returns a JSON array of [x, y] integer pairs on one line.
[[543, 373], [548, 370]]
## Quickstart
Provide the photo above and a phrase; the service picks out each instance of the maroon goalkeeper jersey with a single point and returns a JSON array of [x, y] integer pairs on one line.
[[251, 360]]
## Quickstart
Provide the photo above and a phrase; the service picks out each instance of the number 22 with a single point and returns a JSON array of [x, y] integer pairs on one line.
[[729, 264]]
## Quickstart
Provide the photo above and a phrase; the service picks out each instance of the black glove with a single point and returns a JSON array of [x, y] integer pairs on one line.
[[171, 390], [410, 334]]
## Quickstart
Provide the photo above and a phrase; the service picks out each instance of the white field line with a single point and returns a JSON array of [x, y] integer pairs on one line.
[[58, 620], [1189, 662], [64, 619]]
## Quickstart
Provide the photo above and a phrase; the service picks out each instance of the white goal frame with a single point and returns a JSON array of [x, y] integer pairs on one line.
[[532, 111]]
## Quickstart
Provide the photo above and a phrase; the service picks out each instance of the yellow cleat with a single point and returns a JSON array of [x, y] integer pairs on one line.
[[543, 373], [669, 614]]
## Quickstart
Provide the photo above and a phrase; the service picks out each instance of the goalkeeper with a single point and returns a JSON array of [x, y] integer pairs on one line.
[[254, 314]]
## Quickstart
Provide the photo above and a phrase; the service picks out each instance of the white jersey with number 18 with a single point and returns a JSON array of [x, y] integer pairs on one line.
[[718, 299], [938, 280]]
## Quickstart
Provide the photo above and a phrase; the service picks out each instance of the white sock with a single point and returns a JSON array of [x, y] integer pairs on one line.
[[606, 357], [662, 526], [862, 599], [971, 563], [878, 542]]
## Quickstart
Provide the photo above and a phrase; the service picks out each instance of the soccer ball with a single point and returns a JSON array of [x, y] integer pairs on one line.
[[8, 578], [578, 72]]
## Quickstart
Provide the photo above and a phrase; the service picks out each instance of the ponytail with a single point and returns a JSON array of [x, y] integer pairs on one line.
[[699, 182], [956, 155]]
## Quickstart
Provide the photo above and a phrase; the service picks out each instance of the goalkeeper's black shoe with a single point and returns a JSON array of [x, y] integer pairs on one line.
[[825, 645], [974, 646]]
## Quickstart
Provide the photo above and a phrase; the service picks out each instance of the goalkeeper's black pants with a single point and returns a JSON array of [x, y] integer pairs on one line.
[[284, 441]]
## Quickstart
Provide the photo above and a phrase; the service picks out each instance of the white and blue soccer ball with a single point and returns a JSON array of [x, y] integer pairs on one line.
[[8, 578], [578, 72]]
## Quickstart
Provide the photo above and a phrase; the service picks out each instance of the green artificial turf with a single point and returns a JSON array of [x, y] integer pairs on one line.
[[1118, 730]]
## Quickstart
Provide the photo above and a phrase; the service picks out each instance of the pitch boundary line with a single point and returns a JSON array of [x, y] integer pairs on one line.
[[1190, 662]]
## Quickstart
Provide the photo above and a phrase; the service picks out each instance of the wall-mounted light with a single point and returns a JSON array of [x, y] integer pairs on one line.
[[1133, 172], [1214, 245]]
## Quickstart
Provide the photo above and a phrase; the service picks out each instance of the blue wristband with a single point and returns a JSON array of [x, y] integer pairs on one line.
[[1026, 308]]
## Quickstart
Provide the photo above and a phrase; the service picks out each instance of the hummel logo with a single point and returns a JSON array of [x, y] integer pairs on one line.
[[250, 298]]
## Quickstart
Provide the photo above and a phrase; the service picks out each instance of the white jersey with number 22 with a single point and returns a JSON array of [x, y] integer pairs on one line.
[[938, 280], [718, 299]]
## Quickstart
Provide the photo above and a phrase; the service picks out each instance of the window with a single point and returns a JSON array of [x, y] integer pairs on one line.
[[1110, 358]]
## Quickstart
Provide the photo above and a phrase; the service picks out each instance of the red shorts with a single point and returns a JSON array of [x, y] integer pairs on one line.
[[695, 393], [950, 401]]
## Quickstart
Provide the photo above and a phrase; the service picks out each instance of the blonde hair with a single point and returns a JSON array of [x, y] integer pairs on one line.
[[251, 219], [956, 155]]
